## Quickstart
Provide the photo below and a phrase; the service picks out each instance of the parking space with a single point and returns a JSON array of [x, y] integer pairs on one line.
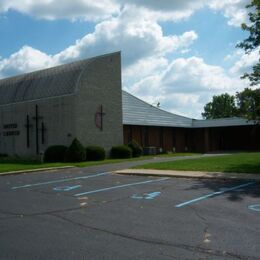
[[74, 216]]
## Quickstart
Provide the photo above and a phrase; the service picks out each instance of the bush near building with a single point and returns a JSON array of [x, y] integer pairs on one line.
[[95, 153], [55, 153], [76, 152], [121, 152], [136, 148]]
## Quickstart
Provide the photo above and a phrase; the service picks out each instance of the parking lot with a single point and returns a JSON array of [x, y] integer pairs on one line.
[[95, 214]]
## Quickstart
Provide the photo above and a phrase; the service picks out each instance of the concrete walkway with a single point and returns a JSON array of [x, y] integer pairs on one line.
[[190, 174]]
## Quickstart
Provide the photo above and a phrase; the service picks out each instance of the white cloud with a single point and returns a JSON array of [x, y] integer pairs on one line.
[[234, 55], [167, 10], [167, 5], [186, 85], [245, 62], [181, 85], [57, 9], [25, 60], [143, 68], [193, 74], [176, 10], [135, 35], [141, 41], [92, 10], [234, 10]]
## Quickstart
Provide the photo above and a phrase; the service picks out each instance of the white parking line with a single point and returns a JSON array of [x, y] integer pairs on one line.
[[223, 190], [119, 186], [60, 180]]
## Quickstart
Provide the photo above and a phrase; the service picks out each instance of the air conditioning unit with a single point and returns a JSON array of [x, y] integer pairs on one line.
[[151, 150]]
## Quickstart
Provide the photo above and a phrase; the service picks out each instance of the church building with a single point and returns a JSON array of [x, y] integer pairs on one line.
[[151, 126], [84, 99]]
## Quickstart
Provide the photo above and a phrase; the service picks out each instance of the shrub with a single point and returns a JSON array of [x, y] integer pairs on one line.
[[136, 148], [55, 153], [76, 152], [120, 152], [95, 153]]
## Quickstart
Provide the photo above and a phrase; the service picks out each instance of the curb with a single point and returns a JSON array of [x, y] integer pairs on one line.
[[35, 170], [190, 174]]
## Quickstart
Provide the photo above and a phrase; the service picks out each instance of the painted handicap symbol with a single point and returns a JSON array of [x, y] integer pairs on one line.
[[146, 196], [66, 188], [255, 207]]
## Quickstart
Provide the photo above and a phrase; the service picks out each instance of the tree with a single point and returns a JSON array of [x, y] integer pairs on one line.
[[249, 104], [220, 107], [253, 41]]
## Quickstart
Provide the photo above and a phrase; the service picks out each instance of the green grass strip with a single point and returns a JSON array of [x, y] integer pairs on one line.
[[237, 163], [16, 164]]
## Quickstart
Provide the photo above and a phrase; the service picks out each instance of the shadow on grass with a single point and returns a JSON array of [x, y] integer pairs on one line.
[[17, 159], [253, 167], [236, 195], [20, 163]]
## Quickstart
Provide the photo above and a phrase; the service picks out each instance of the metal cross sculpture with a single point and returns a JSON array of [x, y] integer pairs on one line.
[[99, 118], [37, 118], [28, 126]]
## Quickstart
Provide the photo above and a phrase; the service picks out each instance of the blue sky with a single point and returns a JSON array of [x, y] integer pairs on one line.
[[216, 39], [18, 29], [178, 53]]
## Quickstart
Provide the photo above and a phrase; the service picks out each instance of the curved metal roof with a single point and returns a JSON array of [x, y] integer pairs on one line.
[[138, 112], [63, 80], [52, 82]]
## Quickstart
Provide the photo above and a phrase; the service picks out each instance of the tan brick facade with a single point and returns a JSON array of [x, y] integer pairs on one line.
[[64, 117]]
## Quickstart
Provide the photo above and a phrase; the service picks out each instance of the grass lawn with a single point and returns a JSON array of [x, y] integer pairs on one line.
[[14, 164], [238, 163]]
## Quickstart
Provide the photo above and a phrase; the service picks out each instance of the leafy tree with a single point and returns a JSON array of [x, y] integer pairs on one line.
[[253, 40], [220, 107], [249, 104]]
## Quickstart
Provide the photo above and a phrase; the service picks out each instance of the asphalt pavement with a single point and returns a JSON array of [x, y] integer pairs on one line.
[[91, 213]]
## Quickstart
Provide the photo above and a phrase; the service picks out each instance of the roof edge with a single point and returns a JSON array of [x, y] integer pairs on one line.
[[156, 107], [59, 66], [220, 122]]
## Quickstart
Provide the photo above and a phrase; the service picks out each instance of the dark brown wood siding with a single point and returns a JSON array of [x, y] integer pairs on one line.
[[195, 139], [166, 138]]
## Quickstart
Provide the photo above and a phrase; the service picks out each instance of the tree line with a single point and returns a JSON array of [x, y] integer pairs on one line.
[[244, 104]]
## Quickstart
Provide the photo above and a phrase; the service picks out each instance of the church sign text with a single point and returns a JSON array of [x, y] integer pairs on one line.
[[10, 130]]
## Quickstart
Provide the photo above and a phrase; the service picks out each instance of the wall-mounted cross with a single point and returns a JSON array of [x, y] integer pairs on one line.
[[99, 118], [28, 126], [37, 118], [43, 130]]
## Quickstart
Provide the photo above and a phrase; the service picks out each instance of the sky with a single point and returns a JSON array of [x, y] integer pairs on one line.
[[176, 52]]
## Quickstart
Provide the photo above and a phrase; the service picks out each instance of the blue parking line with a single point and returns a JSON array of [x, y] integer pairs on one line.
[[67, 188], [223, 190], [255, 207], [60, 180], [120, 186]]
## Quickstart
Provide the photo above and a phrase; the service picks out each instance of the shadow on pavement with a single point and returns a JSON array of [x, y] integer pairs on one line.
[[238, 194]]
